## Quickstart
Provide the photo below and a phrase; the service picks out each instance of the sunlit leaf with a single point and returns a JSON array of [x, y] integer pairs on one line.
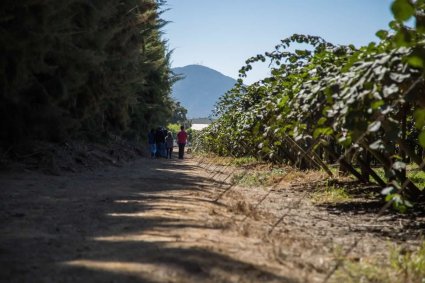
[[323, 131], [415, 61], [321, 121], [389, 90], [387, 190], [374, 126], [376, 104], [387, 110], [399, 78], [399, 166], [377, 145]]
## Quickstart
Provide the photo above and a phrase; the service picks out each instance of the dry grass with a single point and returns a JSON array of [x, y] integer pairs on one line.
[[399, 266], [246, 229], [330, 195], [241, 207], [308, 176], [259, 177]]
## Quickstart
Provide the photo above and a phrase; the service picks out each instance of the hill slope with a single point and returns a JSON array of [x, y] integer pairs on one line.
[[200, 89]]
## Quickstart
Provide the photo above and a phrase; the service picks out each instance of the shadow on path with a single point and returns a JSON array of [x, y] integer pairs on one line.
[[144, 222]]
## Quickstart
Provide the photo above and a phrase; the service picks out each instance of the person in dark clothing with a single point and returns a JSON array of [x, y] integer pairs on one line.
[[152, 144], [159, 141], [164, 146]]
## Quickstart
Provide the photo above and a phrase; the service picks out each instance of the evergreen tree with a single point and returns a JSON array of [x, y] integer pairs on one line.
[[81, 68]]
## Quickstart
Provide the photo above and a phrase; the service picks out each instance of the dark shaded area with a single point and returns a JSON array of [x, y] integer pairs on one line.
[[43, 227], [381, 218], [71, 156], [82, 70]]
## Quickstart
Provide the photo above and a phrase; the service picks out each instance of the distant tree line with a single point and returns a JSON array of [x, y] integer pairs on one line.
[[82, 69]]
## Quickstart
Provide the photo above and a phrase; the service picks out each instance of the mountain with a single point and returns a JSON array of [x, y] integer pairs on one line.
[[200, 89]]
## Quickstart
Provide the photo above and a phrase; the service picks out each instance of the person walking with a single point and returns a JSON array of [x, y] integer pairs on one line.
[[164, 144], [151, 142], [159, 141], [169, 143], [181, 140]]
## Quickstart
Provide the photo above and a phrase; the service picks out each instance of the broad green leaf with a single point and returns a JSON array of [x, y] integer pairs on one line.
[[400, 39], [345, 141], [402, 10], [321, 121], [389, 197], [422, 139], [301, 52], [382, 34], [415, 61], [322, 131], [376, 104], [393, 25], [419, 115]]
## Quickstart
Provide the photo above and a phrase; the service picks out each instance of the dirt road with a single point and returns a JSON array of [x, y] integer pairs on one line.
[[149, 221], [157, 221]]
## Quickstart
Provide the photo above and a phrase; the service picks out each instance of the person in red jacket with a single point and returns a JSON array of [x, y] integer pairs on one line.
[[181, 140]]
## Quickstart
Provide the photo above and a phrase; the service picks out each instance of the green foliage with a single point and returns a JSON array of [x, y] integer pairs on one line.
[[402, 10], [174, 128], [81, 68], [339, 102], [417, 176], [179, 114], [422, 139], [243, 161], [393, 196], [190, 132]]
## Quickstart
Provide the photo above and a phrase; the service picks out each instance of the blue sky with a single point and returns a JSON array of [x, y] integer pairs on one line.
[[222, 34]]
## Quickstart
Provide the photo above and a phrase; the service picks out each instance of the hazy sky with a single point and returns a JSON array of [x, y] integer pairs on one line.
[[222, 34]]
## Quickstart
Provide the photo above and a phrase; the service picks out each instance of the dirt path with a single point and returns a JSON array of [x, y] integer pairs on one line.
[[157, 221], [152, 221]]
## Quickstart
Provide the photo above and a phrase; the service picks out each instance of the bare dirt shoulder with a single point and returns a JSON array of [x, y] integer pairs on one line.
[[175, 221]]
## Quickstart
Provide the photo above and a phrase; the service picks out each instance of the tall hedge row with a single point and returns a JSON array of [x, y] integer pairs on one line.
[[74, 68]]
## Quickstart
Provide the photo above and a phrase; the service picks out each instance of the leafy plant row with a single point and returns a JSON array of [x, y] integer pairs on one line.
[[324, 103]]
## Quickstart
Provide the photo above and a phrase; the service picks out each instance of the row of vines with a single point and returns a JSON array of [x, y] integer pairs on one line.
[[362, 108]]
